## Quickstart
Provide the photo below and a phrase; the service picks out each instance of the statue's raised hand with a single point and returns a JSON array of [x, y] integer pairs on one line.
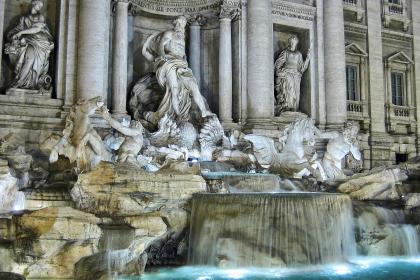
[[17, 36], [53, 156], [103, 111]]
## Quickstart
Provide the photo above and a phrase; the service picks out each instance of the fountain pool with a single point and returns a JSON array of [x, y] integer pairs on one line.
[[367, 268]]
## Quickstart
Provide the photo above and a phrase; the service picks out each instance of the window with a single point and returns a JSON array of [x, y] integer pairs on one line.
[[397, 88], [396, 2], [401, 158], [351, 78]]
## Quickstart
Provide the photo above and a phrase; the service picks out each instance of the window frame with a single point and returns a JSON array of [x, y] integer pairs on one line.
[[356, 69], [403, 86]]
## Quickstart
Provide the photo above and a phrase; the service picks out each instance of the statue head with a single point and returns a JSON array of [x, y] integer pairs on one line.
[[293, 42], [136, 125], [180, 23], [300, 130], [351, 129], [36, 6], [89, 106]]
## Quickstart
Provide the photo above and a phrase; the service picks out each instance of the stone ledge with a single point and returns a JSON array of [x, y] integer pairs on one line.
[[30, 100], [122, 190]]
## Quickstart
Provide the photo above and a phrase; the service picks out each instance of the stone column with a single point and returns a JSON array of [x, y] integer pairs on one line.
[[238, 84], [416, 52], [379, 142], [409, 86], [61, 51], [120, 60], [225, 65], [195, 47], [93, 46], [1, 34], [260, 63], [335, 64], [319, 58]]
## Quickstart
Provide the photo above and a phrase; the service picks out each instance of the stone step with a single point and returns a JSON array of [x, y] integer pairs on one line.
[[30, 106]]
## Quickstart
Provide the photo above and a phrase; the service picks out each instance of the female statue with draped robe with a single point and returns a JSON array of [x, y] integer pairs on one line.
[[289, 68], [29, 47]]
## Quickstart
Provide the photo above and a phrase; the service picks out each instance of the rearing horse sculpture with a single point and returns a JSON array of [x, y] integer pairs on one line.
[[291, 161], [80, 142]]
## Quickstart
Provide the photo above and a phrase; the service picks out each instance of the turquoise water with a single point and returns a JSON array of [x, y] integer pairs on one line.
[[360, 269]]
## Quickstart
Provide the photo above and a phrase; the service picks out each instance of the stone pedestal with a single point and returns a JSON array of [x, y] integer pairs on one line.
[[29, 92], [260, 63], [120, 60]]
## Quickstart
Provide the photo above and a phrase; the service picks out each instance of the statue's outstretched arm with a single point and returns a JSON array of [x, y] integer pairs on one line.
[[36, 28], [117, 125], [355, 151]]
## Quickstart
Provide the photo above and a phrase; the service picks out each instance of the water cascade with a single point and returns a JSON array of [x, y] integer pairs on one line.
[[384, 232], [270, 230], [236, 182]]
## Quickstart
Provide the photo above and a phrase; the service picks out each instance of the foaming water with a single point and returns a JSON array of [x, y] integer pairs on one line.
[[270, 230], [384, 232], [237, 182], [358, 268]]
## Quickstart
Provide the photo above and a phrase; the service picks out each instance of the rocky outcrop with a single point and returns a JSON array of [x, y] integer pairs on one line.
[[47, 243], [152, 206], [381, 185]]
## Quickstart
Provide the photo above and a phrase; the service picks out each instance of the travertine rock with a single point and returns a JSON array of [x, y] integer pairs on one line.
[[122, 190], [376, 186], [412, 200], [50, 241], [153, 205]]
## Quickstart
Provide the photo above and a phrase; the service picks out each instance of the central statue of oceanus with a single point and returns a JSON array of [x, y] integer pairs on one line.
[[168, 101], [167, 52]]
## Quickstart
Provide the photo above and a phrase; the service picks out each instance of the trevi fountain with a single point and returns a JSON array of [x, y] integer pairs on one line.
[[209, 139]]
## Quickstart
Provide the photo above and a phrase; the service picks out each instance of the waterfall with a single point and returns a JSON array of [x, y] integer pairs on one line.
[[237, 182], [384, 232], [268, 230]]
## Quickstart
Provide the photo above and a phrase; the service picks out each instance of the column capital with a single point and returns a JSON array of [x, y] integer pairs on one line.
[[115, 3], [229, 12], [197, 20]]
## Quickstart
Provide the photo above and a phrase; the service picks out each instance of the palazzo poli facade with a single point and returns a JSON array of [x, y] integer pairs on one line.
[[362, 64]]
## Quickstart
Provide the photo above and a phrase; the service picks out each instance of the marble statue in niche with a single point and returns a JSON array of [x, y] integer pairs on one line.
[[289, 68], [167, 51], [29, 46]]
